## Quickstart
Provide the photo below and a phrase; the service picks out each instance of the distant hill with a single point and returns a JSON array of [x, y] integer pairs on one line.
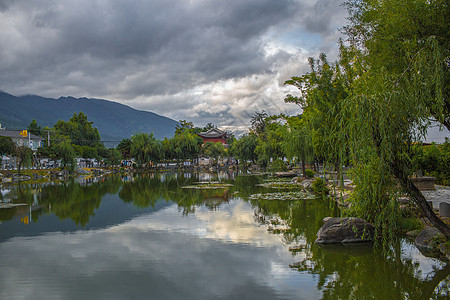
[[114, 121]]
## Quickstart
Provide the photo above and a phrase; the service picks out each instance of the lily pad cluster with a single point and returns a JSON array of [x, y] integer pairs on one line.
[[300, 195], [272, 179], [208, 185], [280, 185]]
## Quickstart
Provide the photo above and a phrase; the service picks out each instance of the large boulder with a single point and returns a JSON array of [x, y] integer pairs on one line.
[[428, 240], [345, 230]]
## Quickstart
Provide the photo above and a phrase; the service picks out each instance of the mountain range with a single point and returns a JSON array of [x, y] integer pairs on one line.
[[114, 121]]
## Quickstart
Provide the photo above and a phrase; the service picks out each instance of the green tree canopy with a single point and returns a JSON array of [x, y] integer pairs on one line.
[[6, 145], [79, 130], [34, 128]]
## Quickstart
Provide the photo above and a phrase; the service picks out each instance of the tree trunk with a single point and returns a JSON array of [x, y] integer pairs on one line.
[[20, 165], [420, 200], [398, 171], [303, 167]]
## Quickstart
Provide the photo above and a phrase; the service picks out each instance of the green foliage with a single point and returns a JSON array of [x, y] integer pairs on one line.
[[271, 141], [6, 145], [24, 155], [409, 224], [34, 128], [321, 92], [185, 145], [399, 52], [244, 148], [319, 187], [114, 156], [309, 173], [434, 161], [125, 148], [214, 150], [411, 42], [67, 155], [375, 196], [259, 123], [277, 165], [85, 151], [182, 126], [79, 130], [145, 148], [298, 141]]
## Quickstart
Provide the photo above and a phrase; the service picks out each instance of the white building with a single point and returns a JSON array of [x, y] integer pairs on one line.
[[30, 140]]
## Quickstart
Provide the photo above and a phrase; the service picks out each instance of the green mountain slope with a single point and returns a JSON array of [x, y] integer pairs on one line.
[[114, 121]]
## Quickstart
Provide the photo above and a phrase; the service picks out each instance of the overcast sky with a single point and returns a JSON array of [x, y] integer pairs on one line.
[[200, 60]]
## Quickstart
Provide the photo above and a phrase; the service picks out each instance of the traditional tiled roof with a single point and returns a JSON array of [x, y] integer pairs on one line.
[[15, 134], [212, 133]]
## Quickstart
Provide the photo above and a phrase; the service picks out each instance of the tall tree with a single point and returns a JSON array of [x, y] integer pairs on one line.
[[298, 141], [125, 148], [34, 128], [6, 145], [145, 148], [258, 122], [182, 126], [24, 155], [79, 130], [244, 148], [67, 154], [322, 91], [401, 50]]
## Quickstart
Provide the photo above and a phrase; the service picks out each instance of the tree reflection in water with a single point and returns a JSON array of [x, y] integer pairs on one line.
[[341, 272], [354, 271]]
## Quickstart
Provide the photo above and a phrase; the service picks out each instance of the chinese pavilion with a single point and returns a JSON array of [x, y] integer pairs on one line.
[[214, 135]]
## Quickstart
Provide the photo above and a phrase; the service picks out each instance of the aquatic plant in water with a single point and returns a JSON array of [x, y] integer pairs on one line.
[[204, 185], [280, 185], [290, 196]]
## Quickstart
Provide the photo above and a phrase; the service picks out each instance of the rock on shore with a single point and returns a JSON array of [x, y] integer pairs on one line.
[[431, 242], [345, 230]]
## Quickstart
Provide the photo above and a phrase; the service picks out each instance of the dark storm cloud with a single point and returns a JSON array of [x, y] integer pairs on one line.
[[320, 16], [124, 50]]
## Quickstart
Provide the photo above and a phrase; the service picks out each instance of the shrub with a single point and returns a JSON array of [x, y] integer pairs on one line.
[[277, 165], [410, 224], [309, 173], [319, 187]]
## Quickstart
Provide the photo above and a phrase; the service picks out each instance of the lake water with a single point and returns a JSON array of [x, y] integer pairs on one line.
[[147, 237]]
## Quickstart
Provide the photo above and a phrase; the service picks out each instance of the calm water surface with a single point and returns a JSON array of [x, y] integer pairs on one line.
[[145, 237]]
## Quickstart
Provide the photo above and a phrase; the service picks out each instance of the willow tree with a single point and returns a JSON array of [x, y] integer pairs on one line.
[[270, 141], [322, 91], [298, 141], [244, 148], [401, 53], [145, 148]]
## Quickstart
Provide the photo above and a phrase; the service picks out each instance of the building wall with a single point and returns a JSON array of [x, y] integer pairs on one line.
[[215, 140], [23, 142]]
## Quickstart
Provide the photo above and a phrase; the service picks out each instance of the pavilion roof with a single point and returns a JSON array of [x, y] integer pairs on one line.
[[212, 133]]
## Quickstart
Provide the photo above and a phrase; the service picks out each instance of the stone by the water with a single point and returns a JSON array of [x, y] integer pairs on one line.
[[345, 230], [427, 238]]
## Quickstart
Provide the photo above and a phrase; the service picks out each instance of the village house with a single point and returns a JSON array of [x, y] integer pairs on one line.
[[21, 139]]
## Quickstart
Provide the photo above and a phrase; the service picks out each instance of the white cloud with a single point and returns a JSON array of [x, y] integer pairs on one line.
[[206, 61]]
